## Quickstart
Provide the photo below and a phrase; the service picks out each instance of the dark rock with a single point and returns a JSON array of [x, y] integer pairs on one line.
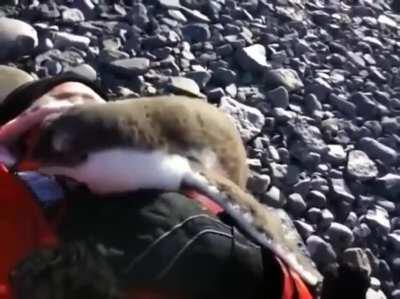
[[357, 258], [279, 97], [365, 106], [200, 77], [320, 88], [131, 66], [316, 199], [296, 204], [224, 76], [340, 236], [195, 33], [305, 230], [341, 104], [377, 150], [388, 186], [321, 251], [340, 190]]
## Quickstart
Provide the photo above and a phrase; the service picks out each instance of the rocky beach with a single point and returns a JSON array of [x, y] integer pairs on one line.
[[313, 87]]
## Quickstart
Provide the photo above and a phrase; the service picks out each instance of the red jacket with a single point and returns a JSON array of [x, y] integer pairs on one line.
[[22, 226]]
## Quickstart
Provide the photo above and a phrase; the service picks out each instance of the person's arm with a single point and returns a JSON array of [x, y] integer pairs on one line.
[[22, 226]]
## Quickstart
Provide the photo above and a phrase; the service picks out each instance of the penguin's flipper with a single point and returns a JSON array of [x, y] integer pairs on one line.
[[268, 227]]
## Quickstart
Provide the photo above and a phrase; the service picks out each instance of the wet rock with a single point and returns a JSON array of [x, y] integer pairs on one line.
[[360, 166], [252, 58], [377, 150], [17, 38]]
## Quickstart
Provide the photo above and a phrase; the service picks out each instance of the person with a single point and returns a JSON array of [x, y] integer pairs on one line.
[[23, 226], [148, 244]]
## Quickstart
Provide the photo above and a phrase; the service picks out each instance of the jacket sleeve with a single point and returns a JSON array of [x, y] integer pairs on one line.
[[22, 226]]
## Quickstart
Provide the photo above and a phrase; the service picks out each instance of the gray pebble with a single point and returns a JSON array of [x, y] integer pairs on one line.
[[321, 251], [377, 150], [340, 236], [296, 204], [279, 97]]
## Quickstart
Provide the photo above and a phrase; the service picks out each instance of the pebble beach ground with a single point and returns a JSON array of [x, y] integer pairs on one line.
[[313, 87]]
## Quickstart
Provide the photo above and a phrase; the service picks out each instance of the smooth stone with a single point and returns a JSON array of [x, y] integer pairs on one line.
[[10, 79], [130, 66], [360, 166], [340, 190], [279, 97], [296, 204], [65, 40], [85, 70], [17, 38], [305, 230], [258, 183], [316, 199], [186, 86], [340, 236], [321, 251], [378, 150]]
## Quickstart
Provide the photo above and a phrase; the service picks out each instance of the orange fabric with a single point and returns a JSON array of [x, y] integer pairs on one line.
[[213, 207], [293, 286], [22, 226]]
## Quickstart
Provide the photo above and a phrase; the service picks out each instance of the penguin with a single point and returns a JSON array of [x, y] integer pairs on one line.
[[169, 143]]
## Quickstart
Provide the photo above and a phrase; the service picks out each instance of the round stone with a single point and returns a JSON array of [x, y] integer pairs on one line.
[[17, 38], [10, 79], [340, 236]]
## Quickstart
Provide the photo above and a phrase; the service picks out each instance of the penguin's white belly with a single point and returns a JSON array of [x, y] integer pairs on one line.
[[121, 169]]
